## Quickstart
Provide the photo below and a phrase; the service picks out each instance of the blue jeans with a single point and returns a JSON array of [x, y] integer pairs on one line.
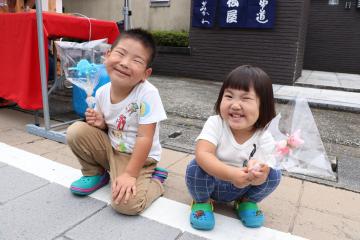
[[203, 186]]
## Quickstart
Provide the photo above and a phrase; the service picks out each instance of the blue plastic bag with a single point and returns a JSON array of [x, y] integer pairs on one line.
[[79, 95]]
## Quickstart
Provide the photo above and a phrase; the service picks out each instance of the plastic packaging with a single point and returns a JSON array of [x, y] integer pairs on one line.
[[82, 64], [299, 148]]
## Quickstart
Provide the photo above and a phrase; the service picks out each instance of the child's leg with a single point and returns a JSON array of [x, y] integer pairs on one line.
[[258, 193], [147, 188], [200, 184], [246, 207], [91, 146]]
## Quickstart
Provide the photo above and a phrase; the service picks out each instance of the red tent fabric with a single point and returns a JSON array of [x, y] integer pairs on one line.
[[19, 55]]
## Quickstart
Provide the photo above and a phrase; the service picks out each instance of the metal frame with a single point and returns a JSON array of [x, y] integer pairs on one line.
[[127, 14], [46, 132]]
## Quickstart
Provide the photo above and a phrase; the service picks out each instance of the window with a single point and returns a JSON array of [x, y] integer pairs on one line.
[[159, 3], [333, 2]]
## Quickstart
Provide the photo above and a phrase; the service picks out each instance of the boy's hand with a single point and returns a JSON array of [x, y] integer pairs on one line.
[[94, 118], [259, 171], [241, 177], [123, 188]]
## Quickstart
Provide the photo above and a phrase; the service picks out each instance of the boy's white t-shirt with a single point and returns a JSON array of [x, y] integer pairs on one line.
[[218, 132], [142, 106]]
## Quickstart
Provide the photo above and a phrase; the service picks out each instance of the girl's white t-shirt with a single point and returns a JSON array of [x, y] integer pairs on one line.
[[142, 106], [218, 132]]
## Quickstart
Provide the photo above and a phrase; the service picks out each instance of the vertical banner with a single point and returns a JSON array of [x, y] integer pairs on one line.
[[261, 13], [232, 13], [204, 12]]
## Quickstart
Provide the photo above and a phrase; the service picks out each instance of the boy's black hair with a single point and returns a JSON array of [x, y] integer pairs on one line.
[[144, 37], [245, 77]]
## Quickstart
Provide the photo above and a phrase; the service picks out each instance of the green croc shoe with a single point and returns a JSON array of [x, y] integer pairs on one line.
[[89, 184], [249, 214], [202, 216]]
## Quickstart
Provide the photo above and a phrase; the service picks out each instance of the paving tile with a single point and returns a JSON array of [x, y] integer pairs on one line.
[[350, 84], [65, 156], [169, 157], [175, 189], [322, 76], [41, 146], [276, 88], [315, 82], [306, 73], [279, 214], [331, 200], [16, 137], [289, 190], [340, 96], [355, 78], [45, 213], [14, 183], [107, 224], [180, 166], [7, 117], [313, 224], [189, 236], [291, 91]]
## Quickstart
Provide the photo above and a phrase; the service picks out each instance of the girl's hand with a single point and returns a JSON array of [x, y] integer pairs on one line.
[[94, 118], [123, 188], [241, 177], [259, 172]]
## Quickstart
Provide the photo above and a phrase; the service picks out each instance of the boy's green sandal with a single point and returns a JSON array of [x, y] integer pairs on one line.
[[202, 216], [89, 184], [249, 214]]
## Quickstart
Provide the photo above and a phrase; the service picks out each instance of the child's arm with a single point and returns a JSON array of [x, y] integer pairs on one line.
[[124, 185], [207, 160], [95, 119]]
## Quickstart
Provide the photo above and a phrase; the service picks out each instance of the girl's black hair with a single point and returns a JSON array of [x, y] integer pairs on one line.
[[144, 37], [245, 77]]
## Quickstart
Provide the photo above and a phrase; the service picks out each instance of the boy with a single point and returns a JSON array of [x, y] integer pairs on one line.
[[122, 133]]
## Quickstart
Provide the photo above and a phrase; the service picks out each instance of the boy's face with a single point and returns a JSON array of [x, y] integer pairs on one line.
[[127, 62]]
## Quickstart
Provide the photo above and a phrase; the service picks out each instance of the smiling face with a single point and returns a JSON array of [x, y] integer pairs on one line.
[[127, 63], [240, 109]]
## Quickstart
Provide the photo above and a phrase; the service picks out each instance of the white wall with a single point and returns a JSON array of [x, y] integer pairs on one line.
[[174, 17], [100, 9]]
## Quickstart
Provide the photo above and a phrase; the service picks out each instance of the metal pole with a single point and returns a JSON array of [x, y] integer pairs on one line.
[[126, 15], [43, 76]]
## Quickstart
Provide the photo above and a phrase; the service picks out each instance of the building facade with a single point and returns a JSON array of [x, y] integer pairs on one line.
[[307, 34]]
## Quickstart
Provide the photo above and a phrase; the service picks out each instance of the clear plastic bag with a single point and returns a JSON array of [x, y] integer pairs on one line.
[[300, 148], [82, 62]]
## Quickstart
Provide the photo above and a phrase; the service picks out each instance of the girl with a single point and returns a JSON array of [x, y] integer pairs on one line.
[[227, 165]]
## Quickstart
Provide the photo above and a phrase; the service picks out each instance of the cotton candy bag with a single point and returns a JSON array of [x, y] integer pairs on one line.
[[298, 148]]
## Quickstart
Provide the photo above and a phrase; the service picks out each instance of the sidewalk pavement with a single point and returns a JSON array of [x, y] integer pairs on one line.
[[330, 80], [36, 204]]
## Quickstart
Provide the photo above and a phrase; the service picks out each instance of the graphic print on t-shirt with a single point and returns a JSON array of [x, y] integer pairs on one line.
[[144, 109], [122, 124], [127, 122]]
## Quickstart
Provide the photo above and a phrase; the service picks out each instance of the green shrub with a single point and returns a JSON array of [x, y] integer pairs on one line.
[[171, 38]]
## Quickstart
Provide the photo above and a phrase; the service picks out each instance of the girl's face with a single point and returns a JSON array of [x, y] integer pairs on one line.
[[240, 109]]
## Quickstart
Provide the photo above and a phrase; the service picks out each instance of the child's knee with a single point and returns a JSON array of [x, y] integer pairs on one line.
[[191, 169], [133, 207], [76, 130], [274, 177]]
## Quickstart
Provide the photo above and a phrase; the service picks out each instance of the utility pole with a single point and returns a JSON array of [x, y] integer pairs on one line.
[[127, 14]]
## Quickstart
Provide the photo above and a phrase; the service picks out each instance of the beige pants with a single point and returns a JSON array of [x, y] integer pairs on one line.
[[95, 153]]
